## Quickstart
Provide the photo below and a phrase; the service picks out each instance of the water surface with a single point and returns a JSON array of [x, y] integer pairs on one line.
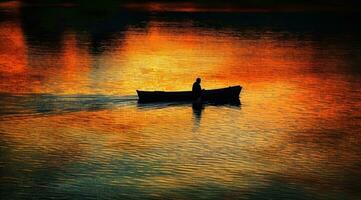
[[71, 126]]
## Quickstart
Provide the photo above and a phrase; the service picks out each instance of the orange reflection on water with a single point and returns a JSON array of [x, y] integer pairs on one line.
[[14, 71], [12, 49], [75, 66], [25, 71]]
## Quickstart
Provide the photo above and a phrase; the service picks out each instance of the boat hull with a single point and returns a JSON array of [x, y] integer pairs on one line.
[[216, 95]]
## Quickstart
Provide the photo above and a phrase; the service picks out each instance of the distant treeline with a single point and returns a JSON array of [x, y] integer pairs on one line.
[[211, 3], [205, 2]]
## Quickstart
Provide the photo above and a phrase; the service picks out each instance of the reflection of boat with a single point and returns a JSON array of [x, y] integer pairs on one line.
[[228, 94]]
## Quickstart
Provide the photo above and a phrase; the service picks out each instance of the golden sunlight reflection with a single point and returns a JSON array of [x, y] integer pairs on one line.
[[163, 58], [166, 58]]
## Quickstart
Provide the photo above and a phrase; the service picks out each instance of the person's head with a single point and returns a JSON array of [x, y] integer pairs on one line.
[[198, 80]]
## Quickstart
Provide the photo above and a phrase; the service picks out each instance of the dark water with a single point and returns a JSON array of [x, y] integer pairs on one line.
[[71, 127]]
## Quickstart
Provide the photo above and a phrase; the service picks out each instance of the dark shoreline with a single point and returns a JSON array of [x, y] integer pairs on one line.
[[196, 6]]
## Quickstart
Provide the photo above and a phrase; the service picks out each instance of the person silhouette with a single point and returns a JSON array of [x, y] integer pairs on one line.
[[197, 90]]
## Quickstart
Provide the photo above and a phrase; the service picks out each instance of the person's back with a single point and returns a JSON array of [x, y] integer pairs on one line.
[[197, 89]]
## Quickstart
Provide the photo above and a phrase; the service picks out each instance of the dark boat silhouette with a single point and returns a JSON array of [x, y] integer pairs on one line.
[[227, 94]]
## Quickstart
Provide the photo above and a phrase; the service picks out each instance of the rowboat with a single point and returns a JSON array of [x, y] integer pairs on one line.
[[227, 94]]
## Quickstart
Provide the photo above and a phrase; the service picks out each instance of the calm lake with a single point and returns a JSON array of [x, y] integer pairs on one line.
[[71, 127]]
